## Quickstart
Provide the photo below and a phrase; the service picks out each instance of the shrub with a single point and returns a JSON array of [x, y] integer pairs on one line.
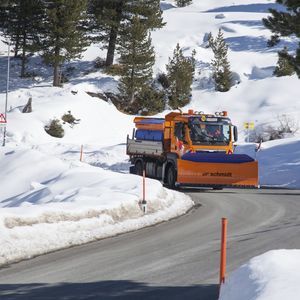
[[69, 118], [266, 132], [151, 101], [64, 78], [163, 80], [54, 128], [115, 70], [284, 67], [99, 63]]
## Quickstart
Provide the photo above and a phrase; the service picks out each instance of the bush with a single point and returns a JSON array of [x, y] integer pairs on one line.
[[54, 128], [99, 63], [70, 119], [163, 80], [284, 67], [115, 70], [182, 3], [151, 101], [30, 74], [64, 78], [266, 132]]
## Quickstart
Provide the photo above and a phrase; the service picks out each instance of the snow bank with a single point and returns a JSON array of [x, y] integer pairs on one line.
[[271, 276], [279, 162], [53, 204]]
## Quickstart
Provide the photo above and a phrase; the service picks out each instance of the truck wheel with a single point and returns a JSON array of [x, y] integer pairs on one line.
[[217, 188], [171, 177], [139, 168]]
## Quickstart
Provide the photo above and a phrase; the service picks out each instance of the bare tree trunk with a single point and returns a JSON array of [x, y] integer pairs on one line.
[[132, 89], [56, 68], [111, 47], [17, 46], [114, 35], [56, 75]]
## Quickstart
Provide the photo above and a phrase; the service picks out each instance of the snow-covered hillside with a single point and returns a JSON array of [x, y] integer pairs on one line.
[[43, 185]]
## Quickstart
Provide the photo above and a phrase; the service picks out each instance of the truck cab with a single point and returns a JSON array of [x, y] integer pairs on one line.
[[197, 132]]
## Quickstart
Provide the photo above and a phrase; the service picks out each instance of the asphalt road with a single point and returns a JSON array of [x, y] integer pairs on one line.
[[174, 260]]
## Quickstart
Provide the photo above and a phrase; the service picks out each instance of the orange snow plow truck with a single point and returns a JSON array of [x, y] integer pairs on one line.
[[190, 149]]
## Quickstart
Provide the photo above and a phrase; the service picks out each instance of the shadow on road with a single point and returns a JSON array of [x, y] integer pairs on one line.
[[273, 191], [106, 290]]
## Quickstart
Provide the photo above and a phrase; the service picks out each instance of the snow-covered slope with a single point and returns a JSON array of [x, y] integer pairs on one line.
[[279, 162], [45, 187]]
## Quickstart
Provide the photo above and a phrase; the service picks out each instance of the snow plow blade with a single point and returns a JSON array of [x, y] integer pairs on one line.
[[217, 169]]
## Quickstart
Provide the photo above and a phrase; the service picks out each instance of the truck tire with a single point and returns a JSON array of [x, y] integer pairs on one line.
[[171, 177], [139, 168], [217, 188]]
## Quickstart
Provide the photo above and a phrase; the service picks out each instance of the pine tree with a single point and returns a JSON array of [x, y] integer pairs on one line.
[[180, 72], [3, 12], [64, 37], [22, 25], [137, 57], [221, 67], [286, 23], [284, 67], [106, 16], [110, 14], [182, 3]]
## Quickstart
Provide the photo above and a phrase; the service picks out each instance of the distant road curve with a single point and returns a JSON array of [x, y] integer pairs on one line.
[[175, 260]]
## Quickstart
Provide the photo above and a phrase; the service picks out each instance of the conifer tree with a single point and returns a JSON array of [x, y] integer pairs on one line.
[[137, 58], [21, 23], [106, 16], [182, 3], [110, 14], [64, 37], [221, 67], [284, 67], [286, 23], [180, 72], [3, 12]]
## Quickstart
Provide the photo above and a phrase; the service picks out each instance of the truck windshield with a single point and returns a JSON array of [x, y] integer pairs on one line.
[[207, 133]]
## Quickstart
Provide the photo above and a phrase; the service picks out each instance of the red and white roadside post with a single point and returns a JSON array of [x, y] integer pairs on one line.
[[81, 153], [144, 202], [3, 125], [223, 252], [4, 116]]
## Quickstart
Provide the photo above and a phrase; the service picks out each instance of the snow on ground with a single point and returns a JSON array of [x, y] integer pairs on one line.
[[50, 204], [278, 161], [271, 276], [259, 97], [44, 187]]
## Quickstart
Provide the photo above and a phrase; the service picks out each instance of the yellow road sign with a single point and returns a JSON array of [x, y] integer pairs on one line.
[[249, 125]]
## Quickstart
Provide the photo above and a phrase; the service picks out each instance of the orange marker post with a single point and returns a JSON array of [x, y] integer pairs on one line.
[[144, 202], [144, 185], [81, 152], [223, 251]]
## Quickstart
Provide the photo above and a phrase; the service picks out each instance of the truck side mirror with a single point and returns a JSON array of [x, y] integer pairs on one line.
[[235, 133]]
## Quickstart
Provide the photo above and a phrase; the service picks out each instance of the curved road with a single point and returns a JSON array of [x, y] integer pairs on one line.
[[174, 260]]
